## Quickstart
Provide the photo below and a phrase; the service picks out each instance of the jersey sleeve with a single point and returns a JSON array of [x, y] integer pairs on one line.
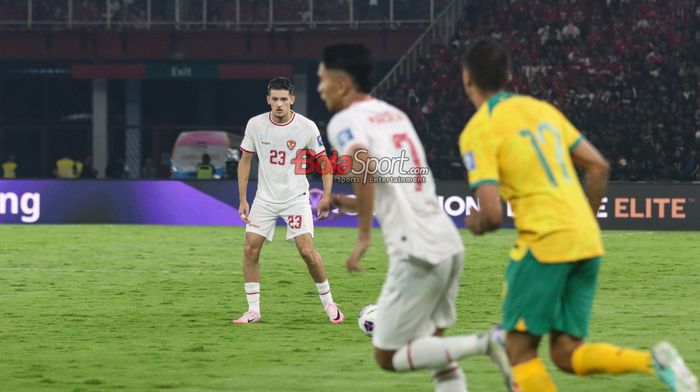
[[315, 141], [344, 135], [479, 155], [570, 135], [248, 143]]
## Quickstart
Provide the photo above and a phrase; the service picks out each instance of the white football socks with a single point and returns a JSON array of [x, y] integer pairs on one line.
[[252, 294], [434, 352], [324, 291], [450, 379]]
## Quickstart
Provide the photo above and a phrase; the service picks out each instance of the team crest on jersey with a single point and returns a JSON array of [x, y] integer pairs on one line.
[[344, 137], [319, 141], [291, 144], [469, 161]]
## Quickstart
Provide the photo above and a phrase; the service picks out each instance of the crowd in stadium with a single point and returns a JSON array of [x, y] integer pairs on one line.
[[218, 11], [623, 73]]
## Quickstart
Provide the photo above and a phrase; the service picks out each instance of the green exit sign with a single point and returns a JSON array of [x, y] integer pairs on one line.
[[182, 71]]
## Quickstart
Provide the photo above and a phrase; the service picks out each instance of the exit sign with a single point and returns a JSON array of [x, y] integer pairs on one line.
[[182, 71]]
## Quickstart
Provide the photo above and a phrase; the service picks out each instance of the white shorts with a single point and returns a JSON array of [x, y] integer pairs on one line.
[[417, 298], [297, 215]]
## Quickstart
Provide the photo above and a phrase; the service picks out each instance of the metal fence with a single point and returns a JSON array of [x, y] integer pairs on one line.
[[440, 31], [216, 14]]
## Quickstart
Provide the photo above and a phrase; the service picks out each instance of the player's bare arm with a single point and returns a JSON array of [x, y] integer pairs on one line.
[[243, 175], [346, 203], [490, 216], [364, 193], [597, 169], [324, 205]]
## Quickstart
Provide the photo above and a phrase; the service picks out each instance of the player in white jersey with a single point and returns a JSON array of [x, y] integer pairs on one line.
[[277, 137], [417, 301]]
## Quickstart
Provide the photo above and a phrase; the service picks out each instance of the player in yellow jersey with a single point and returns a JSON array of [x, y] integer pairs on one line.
[[9, 167], [525, 150]]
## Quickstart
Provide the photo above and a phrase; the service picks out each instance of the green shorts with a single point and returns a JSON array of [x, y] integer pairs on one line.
[[542, 297]]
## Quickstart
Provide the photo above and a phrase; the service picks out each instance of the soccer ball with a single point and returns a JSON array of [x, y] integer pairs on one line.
[[366, 319]]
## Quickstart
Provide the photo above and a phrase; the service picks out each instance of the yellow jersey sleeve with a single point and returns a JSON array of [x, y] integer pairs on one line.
[[572, 137], [479, 155]]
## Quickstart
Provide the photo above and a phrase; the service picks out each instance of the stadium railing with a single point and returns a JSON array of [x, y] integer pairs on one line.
[[217, 14], [439, 31]]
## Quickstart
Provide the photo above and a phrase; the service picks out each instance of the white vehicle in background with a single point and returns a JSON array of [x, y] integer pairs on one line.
[[222, 147]]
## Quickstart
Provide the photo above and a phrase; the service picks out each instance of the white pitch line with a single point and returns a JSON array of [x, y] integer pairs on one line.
[[110, 271], [628, 233]]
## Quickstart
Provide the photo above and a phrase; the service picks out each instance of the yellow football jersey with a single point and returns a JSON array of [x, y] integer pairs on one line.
[[65, 168], [9, 170], [523, 145]]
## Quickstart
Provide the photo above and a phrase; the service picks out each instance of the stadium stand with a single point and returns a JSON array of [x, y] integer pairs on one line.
[[247, 14], [623, 73]]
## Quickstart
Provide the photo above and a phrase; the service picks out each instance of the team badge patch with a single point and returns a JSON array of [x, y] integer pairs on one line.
[[319, 141], [469, 161], [291, 144], [344, 137]]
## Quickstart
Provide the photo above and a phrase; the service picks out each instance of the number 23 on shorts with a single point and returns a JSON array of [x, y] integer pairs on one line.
[[294, 221]]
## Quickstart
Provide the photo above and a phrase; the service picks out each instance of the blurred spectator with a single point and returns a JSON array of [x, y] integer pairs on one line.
[[9, 167], [205, 170], [570, 32], [65, 168], [88, 170]]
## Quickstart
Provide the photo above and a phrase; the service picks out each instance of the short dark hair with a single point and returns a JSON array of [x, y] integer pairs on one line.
[[488, 63], [281, 83], [354, 59]]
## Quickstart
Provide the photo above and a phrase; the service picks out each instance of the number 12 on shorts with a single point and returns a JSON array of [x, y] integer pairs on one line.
[[294, 221]]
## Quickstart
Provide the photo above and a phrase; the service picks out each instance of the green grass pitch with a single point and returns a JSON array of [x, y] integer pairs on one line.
[[145, 308]]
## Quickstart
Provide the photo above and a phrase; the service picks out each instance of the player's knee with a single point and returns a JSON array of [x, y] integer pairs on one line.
[[561, 358], [384, 359], [307, 253], [251, 252], [561, 350], [517, 357], [521, 347], [386, 365]]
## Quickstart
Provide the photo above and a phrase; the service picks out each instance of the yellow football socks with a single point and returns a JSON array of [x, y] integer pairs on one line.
[[531, 376], [592, 358]]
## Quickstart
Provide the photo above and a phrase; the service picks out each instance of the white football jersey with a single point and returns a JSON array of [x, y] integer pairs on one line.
[[412, 221], [277, 146]]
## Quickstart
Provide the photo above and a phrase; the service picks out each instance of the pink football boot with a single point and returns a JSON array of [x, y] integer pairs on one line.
[[248, 317], [334, 314]]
